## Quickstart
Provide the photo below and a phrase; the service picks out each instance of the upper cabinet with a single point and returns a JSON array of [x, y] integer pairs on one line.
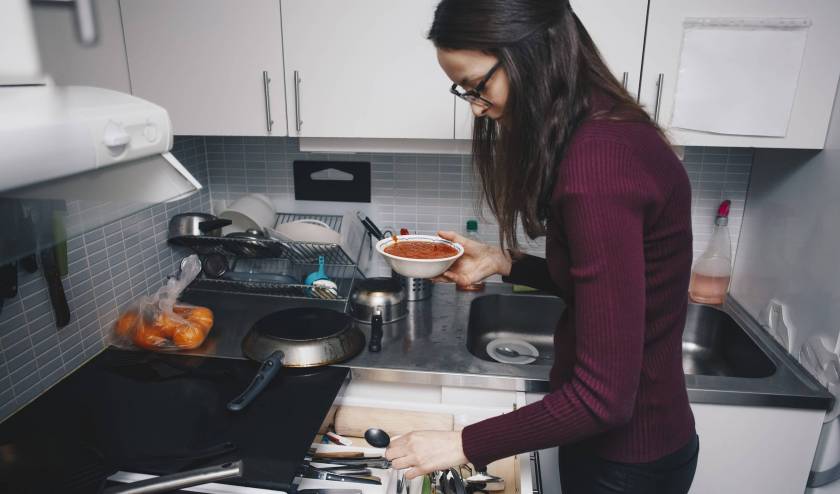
[[805, 79], [618, 29], [71, 64], [364, 69], [215, 65]]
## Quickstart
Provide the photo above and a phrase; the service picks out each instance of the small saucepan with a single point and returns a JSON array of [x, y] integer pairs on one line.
[[299, 337], [378, 301], [196, 224]]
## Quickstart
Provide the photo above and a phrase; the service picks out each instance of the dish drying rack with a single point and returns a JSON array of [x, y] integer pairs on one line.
[[277, 268]]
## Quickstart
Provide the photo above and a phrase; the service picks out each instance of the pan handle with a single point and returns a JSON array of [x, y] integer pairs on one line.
[[210, 225], [168, 483], [269, 368], [375, 344]]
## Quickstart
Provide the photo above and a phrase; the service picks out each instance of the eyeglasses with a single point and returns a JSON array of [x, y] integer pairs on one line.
[[474, 95]]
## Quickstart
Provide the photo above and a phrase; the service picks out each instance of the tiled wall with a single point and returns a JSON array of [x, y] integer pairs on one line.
[[108, 267], [425, 192]]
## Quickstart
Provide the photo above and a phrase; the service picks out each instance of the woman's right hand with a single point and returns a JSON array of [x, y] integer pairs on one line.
[[478, 262]]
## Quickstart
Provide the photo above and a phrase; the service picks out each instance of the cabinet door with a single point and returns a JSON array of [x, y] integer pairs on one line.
[[205, 60], [817, 78], [618, 29], [365, 69], [754, 449], [71, 64]]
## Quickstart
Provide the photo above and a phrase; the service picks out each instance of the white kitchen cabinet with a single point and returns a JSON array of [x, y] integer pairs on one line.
[[216, 65], [745, 449], [71, 64], [817, 79], [364, 69], [618, 29], [754, 449]]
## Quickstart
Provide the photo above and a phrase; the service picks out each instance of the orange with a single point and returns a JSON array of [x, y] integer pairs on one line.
[[202, 317], [149, 337], [125, 324], [168, 323], [188, 337]]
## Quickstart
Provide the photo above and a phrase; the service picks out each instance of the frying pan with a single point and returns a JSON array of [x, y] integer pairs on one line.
[[299, 337]]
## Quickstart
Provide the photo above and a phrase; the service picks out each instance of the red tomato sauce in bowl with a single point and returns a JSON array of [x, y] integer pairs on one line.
[[412, 249]]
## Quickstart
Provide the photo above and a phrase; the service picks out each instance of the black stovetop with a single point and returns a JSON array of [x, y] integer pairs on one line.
[[158, 414]]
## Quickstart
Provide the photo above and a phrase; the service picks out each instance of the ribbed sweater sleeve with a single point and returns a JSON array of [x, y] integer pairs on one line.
[[601, 207], [531, 271]]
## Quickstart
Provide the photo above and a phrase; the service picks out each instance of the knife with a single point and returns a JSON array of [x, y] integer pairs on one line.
[[49, 265], [370, 462], [344, 470], [314, 474], [329, 491]]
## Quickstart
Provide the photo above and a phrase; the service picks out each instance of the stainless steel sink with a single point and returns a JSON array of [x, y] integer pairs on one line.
[[713, 343]]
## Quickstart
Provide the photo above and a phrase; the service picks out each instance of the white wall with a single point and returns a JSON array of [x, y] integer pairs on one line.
[[790, 238]]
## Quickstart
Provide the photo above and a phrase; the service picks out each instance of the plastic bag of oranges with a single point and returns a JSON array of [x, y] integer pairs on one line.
[[158, 322]]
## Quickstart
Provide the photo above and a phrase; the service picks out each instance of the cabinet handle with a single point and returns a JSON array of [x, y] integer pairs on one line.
[[299, 122], [659, 81], [268, 121], [625, 79], [85, 18]]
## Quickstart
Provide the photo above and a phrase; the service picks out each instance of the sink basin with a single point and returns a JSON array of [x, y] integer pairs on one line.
[[713, 343]]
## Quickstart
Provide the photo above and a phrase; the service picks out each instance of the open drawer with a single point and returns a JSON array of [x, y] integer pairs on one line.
[[400, 408]]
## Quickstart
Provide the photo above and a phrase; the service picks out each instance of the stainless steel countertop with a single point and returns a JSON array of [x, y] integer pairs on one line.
[[429, 347]]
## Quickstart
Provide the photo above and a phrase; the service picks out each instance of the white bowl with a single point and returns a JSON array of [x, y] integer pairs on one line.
[[253, 211], [305, 231], [419, 268]]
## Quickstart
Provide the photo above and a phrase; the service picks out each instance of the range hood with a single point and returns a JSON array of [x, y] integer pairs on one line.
[[79, 142]]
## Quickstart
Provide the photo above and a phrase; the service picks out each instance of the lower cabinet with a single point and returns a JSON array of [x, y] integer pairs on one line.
[[748, 449], [754, 449]]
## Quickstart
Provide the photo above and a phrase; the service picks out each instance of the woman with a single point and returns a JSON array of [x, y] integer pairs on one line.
[[564, 151]]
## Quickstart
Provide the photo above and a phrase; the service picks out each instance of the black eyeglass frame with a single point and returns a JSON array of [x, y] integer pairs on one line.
[[474, 95]]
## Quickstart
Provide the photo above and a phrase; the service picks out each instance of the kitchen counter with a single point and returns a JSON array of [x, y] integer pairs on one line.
[[429, 347]]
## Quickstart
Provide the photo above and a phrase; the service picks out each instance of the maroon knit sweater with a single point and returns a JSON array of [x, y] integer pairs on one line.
[[618, 251]]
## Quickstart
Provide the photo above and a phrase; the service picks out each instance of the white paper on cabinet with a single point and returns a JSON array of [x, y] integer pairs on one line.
[[739, 76]]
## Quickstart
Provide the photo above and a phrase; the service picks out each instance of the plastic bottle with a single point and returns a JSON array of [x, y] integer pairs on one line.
[[472, 234], [712, 272]]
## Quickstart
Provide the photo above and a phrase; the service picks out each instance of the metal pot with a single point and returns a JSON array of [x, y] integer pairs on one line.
[[378, 301], [196, 224], [299, 337]]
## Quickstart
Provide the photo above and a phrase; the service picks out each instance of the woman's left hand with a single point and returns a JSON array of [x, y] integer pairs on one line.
[[424, 452]]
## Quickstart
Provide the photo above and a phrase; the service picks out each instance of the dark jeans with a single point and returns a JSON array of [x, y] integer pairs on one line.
[[584, 473]]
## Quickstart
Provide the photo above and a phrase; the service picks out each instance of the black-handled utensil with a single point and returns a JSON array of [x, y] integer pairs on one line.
[[370, 226], [268, 369], [55, 288], [309, 473], [47, 255], [377, 438]]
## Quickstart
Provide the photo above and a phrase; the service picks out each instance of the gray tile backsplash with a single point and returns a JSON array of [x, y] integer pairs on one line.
[[113, 264], [108, 267], [425, 193]]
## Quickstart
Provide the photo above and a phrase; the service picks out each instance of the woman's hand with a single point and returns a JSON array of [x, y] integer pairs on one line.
[[426, 451], [478, 262]]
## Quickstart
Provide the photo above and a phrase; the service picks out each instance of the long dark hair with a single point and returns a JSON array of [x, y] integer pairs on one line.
[[553, 68]]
